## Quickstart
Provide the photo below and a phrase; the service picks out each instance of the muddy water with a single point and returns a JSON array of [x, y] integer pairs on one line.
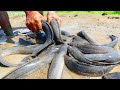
[[96, 25]]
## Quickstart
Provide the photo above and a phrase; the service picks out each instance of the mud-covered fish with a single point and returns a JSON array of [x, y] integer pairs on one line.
[[18, 50], [4, 63], [78, 41], [115, 75], [87, 37], [112, 57], [57, 32], [25, 42], [31, 66], [114, 39], [49, 39], [65, 33], [94, 49], [78, 55], [15, 50], [86, 69], [56, 67]]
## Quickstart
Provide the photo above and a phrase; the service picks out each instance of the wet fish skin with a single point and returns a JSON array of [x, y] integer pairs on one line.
[[4, 63], [29, 67], [87, 48], [19, 50], [114, 39], [115, 75], [86, 69], [57, 32], [78, 38], [86, 36], [65, 33], [56, 67], [15, 50], [30, 57], [25, 42], [78, 55], [49, 39], [78, 41], [112, 57], [95, 49]]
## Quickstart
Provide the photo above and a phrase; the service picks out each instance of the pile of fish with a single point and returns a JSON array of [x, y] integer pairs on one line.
[[81, 54]]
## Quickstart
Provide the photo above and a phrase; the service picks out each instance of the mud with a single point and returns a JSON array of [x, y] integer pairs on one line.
[[96, 25]]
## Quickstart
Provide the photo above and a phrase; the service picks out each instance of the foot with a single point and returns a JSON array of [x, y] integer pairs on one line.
[[9, 39]]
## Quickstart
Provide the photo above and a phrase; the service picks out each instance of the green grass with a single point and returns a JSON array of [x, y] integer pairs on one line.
[[21, 13]]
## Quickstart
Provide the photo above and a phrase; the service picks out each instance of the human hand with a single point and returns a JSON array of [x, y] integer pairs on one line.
[[33, 20], [52, 15]]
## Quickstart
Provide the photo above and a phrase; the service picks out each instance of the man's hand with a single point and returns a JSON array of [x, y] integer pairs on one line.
[[52, 15], [33, 20]]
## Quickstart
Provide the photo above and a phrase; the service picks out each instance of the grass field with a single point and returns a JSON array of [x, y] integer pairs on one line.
[[21, 13]]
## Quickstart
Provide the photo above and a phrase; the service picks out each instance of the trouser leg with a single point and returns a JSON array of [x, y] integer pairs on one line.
[[5, 23]]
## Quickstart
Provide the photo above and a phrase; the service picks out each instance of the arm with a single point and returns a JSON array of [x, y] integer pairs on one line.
[[33, 19]]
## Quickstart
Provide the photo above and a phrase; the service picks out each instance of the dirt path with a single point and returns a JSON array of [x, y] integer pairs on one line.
[[97, 25]]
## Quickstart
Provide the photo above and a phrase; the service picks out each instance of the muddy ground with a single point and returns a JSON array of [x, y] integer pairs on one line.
[[96, 25]]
